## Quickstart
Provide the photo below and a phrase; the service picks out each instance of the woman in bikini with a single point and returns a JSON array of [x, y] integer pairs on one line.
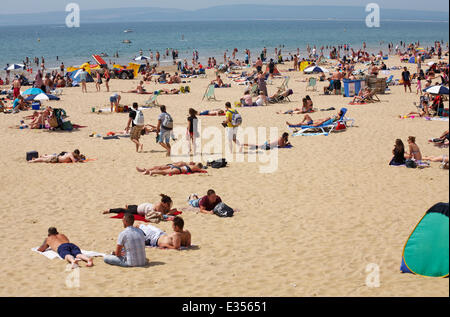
[[307, 120], [176, 170], [147, 171], [414, 151]]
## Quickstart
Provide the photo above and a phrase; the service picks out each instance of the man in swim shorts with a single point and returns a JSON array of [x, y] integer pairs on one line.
[[66, 250], [155, 237]]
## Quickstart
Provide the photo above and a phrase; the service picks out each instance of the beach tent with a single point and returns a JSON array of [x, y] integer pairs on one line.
[[32, 91], [315, 69], [426, 250], [412, 60], [75, 76], [136, 68], [304, 65]]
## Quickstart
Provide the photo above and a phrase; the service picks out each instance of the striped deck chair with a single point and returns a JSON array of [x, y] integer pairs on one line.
[[312, 83], [153, 101]]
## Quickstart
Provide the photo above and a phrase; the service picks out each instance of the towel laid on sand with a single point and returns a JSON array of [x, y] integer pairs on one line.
[[50, 254]]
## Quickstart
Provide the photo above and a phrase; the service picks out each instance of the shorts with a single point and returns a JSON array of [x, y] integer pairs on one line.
[[337, 84], [407, 83], [164, 136], [195, 203], [68, 249], [112, 99], [16, 92], [231, 132], [135, 133]]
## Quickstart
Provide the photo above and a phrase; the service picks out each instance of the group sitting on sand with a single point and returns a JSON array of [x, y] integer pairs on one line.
[[306, 108], [63, 157]]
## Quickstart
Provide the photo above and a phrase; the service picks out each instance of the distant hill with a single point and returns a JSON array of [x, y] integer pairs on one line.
[[229, 12]]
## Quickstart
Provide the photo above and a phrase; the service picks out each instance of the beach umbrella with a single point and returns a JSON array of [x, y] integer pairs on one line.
[[32, 91], [14, 67], [142, 58], [316, 69], [437, 90]]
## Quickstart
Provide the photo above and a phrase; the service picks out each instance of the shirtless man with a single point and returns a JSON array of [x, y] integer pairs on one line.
[[282, 142], [155, 237], [38, 122], [63, 157], [66, 250], [16, 87]]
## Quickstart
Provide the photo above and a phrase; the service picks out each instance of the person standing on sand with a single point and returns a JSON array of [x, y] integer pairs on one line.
[[107, 76], [16, 86], [136, 119], [164, 129], [66, 250], [130, 248], [98, 81], [406, 76], [83, 77]]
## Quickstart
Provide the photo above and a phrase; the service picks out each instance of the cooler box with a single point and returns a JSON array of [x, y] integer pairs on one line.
[[31, 155], [36, 106], [352, 87]]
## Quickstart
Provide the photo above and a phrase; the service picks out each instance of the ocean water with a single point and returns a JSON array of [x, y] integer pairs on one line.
[[74, 46]]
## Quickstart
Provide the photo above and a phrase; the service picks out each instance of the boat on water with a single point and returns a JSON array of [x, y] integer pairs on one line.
[[126, 41], [128, 31]]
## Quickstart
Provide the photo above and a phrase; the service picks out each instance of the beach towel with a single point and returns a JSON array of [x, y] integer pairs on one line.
[[83, 161], [192, 247], [50, 254], [142, 218], [196, 209]]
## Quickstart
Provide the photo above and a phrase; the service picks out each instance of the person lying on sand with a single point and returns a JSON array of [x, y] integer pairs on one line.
[[155, 237], [206, 203], [307, 120], [215, 112], [139, 90], [63, 157], [176, 170], [146, 171], [443, 140], [441, 158], [66, 250], [38, 122], [280, 143], [164, 207]]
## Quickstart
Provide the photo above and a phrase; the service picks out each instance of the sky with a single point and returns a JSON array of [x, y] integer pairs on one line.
[[34, 6]]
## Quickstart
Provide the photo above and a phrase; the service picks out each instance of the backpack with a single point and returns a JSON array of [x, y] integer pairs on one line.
[[218, 163], [167, 123], [236, 118], [223, 210], [410, 164], [139, 119]]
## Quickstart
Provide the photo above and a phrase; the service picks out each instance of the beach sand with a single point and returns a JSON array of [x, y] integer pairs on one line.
[[311, 228]]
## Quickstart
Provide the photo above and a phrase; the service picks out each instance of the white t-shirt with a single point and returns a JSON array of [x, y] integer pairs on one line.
[[142, 209], [260, 101]]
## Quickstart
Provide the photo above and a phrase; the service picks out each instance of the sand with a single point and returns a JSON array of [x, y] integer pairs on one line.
[[311, 228]]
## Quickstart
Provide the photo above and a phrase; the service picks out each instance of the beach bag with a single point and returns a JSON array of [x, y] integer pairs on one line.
[[218, 163], [222, 210], [53, 121], [236, 118], [153, 216], [340, 126], [67, 126], [167, 123], [139, 119], [410, 164]]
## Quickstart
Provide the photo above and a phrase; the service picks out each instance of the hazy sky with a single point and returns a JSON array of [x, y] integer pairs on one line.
[[30, 6]]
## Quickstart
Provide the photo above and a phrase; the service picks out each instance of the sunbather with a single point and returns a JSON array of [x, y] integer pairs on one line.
[[443, 140], [164, 207], [362, 96], [414, 151], [307, 120], [139, 90], [280, 143], [38, 122], [155, 237], [175, 170], [207, 203], [441, 158], [63, 157], [66, 250], [146, 171], [307, 108], [215, 112]]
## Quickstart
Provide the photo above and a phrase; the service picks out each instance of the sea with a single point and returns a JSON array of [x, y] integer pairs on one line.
[[75, 46]]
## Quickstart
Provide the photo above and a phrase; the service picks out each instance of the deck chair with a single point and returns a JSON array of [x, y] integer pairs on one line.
[[153, 101], [209, 93], [372, 97], [389, 81], [284, 84], [303, 130], [312, 83], [255, 90]]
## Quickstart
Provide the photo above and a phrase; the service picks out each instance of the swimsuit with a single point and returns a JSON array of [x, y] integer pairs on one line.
[[68, 249]]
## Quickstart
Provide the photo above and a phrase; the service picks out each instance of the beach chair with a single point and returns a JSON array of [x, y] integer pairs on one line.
[[209, 93], [255, 90], [389, 81], [312, 82], [284, 84], [372, 97], [324, 129], [153, 101]]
